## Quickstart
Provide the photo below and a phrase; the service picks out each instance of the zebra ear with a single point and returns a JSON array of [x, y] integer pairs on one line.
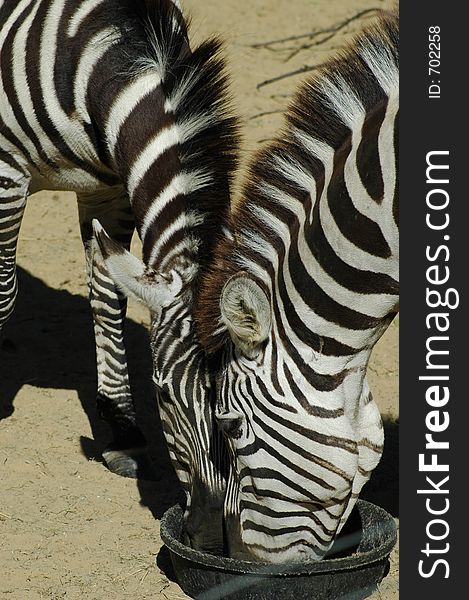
[[245, 310], [132, 276]]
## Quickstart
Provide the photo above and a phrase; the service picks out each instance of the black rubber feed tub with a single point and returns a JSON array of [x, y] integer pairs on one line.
[[346, 575]]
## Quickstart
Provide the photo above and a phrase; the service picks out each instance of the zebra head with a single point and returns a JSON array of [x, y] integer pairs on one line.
[[291, 433], [297, 299], [183, 385], [177, 159]]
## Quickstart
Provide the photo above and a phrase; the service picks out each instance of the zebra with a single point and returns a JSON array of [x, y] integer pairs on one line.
[[296, 298], [105, 98]]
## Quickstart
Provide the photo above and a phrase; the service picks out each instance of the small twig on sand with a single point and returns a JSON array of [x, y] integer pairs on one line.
[[312, 34], [148, 569], [332, 32], [327, 35], [265, 113], [303, 69], [307, 46], [275, 96]]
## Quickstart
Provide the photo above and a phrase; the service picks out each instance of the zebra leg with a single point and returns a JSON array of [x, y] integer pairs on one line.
[[14, 184], [125, 455]]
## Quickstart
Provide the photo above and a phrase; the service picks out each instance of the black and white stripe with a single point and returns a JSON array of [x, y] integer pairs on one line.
[[296, 300], [106, 98]]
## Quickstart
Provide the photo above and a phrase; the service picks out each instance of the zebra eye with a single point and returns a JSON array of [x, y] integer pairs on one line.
[[230, 424]]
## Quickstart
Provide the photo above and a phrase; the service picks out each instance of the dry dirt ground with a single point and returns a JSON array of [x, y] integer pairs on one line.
[[69, 529]]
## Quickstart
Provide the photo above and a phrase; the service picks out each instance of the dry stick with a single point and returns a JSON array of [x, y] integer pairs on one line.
[[308, 46], [266, 140], [335, 29], [296, 49], [313, 34], [304, 69], [307, 68], [332, 31], [265, 113]]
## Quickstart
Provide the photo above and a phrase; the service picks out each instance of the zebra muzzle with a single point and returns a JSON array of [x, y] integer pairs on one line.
[[203, 520]]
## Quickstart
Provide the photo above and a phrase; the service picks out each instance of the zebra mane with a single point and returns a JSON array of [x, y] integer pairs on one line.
[[363, 76], [195, 86]]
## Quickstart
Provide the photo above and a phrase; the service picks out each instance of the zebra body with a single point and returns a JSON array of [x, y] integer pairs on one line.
[[106, 98], [295, 302]]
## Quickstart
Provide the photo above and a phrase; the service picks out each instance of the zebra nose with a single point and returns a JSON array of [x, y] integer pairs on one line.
[[203, 521], [204, 542], [203, 531], [235, 546]]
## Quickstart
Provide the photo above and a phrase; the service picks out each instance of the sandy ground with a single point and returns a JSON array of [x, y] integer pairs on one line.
[[69, 529]]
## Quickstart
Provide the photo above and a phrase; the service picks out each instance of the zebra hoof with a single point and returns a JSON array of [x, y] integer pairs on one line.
[[131, 462]]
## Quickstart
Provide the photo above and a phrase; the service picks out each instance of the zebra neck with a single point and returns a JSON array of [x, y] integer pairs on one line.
[[143, 139], [317, 223], [163, 115]]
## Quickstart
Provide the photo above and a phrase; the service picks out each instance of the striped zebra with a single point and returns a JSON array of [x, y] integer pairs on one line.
[[105, 98], [295, 301]]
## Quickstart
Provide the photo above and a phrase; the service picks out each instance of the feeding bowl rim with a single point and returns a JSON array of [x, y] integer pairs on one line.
[[226, 564]]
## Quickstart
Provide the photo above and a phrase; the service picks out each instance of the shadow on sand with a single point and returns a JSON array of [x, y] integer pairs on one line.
[[49, 343]]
